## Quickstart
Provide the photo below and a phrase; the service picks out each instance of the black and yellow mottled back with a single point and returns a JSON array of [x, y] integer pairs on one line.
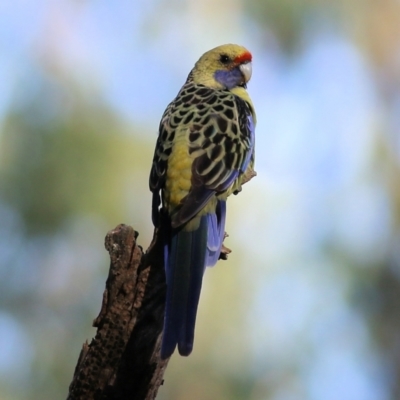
[[218, 133]]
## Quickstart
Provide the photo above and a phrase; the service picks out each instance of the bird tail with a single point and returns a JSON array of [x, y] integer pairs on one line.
[[186, 254]]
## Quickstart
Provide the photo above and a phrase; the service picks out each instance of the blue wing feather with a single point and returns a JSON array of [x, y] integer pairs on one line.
[[249, 154], [216, 232]]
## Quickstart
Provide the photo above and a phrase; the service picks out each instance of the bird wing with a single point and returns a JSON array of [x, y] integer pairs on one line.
[[220, 136]]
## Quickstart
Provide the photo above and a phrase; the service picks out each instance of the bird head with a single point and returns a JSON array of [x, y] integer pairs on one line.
[[227, 66]]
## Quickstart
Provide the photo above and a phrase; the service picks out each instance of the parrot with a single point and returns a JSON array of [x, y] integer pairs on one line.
[[203, 154]]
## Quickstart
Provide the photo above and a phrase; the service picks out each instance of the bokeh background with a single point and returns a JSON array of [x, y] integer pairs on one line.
[[308, 305]]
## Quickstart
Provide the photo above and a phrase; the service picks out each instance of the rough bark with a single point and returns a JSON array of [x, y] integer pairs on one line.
[[123, 360]]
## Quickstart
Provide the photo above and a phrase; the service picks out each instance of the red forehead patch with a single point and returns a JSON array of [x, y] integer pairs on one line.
[[246, 56]]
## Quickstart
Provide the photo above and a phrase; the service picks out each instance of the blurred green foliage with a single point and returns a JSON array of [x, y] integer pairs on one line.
[[74, 162]]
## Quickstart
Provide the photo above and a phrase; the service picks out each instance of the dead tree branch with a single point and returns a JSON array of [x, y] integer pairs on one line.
[[123, 360]]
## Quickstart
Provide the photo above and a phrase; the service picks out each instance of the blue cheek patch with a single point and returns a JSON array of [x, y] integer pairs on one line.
[[229, 79]]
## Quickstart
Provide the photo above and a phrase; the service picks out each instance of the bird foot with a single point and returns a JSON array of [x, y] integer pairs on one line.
[[248, 176], [224, 250]]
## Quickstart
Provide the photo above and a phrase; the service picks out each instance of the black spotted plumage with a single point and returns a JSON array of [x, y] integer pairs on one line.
[[221, 120]]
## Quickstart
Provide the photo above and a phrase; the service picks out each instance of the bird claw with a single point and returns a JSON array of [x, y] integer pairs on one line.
[[224, 250], [248, 176]]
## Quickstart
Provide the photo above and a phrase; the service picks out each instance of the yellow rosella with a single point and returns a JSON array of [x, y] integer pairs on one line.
[[204, 152]]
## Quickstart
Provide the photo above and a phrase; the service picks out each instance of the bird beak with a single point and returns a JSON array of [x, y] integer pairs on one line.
[[246, 70]]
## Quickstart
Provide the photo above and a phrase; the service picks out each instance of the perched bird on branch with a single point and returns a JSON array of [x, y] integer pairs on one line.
[[204, 153]]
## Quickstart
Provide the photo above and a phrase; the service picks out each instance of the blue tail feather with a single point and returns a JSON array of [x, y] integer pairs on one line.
[[186, 254]]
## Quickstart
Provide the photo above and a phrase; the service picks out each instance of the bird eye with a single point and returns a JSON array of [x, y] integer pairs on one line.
[[224, 59]]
